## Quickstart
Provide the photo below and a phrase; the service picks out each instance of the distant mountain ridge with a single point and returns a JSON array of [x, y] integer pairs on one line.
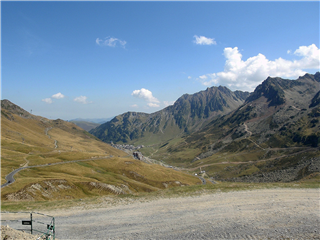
[[92, 120], [85, 125], [188, 114], [89, 123]]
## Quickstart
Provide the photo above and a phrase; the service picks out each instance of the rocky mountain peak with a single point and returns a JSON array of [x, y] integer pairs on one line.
[[14, 109], [271, 89]]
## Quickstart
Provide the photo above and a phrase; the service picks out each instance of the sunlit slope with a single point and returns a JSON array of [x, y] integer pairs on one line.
[[28, 140], [93, 178], [32, 140]]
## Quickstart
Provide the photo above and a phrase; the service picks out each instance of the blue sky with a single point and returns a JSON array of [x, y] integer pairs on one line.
[[100, 59]]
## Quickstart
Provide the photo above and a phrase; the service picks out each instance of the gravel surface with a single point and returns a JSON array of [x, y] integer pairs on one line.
[[257, 214]]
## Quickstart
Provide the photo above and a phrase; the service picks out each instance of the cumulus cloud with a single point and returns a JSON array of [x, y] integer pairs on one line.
[[145, 94], [58, 95], [202, 40], [134, 105], [246, 75], [81, 99], [153, 105], [47, 100], [168, 103], [110, 42], [203, 77]]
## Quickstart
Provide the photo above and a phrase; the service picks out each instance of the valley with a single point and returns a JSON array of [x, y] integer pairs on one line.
[[271, 135], [183, 163]]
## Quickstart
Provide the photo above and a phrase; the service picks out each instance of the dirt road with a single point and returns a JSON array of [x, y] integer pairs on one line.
[[256, 214]]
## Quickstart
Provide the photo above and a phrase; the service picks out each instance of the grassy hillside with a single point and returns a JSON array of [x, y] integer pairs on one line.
[[28, 140]]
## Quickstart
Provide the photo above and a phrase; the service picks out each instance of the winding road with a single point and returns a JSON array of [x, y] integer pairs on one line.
[[11, 180], [202, 180]]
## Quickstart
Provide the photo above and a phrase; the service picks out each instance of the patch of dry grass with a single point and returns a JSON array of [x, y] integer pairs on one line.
[[31, 142], [175, 192]]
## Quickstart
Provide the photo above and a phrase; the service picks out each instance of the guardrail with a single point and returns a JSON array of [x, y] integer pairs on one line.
[[38, 222]]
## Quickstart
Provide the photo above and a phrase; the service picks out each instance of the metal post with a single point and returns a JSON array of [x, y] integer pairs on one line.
[[31, 221], [54, 229]]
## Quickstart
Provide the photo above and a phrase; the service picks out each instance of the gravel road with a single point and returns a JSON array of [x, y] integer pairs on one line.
[[257, 214]]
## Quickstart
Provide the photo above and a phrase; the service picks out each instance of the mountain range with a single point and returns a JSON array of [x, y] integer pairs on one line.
[[188, 114], [269, 135], [279, 119], [91, 120]]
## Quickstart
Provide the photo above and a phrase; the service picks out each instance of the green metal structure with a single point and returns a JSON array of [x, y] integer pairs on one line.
[[45, 227]]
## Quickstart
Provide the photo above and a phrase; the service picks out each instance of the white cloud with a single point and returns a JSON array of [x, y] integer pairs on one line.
[[189, 77], [81, 99], [58, 96], [134, 105], [203, 77], [246, 75], [168, 103], [204, 40], [110, 42], [47, 100], [153, 105], [310, 57], [145, 94]]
